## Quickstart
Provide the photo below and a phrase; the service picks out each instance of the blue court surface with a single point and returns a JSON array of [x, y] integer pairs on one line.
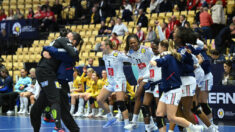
[[22, 124]]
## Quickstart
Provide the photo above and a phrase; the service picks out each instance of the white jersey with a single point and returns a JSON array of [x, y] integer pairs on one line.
[[141, 58], [155, 73], [199, 73], [114, 65]]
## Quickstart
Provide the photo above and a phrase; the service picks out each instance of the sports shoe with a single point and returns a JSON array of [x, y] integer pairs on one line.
[[212, 128], [58, 129], [48, 120], [110, 123], [19, 112], [105, 116], [153, 127], [78, 114], [10, 112], [91, 115], [196, 128], [134, 124], [129, 126], [87, 114], [119, 117], [99, 115]]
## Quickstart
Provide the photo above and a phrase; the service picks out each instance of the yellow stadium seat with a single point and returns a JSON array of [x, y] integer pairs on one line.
[[169, 14], [96, 63], [28, 2], [92, 26], [99, 54], [85, 27], [26, 58], [85, 54], [92, 54], [79, 27], [88, 47], [154, 16], [183, 13], [5, 3], [47, 42], [20, 58], [88, 33], [98, 26], [98, 39], [94, 33], [81, 63], [38, 57], [162, 15], [4, 57], [15, 57], [176, 14], [191, 13]]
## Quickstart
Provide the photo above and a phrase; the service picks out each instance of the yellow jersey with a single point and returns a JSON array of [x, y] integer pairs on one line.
[[77, 83], [130, 90], [95, 88], [87, 80]]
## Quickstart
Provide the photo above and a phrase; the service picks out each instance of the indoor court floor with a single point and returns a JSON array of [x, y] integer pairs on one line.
[[22, 124]]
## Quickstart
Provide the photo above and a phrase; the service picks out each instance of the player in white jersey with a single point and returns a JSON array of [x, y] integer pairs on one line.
[[140, 56], [116, 83], [151, 90]]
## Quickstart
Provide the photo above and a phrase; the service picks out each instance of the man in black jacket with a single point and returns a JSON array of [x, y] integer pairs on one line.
[[47, 78], [143, 20]]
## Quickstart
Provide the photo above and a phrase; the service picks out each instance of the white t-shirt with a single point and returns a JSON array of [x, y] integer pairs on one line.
[[120, 29]]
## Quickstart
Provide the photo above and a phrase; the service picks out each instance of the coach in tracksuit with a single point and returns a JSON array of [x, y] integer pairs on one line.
[[47, 77]]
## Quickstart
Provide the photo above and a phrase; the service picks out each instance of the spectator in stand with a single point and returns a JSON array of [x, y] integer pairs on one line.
[[187, 25], [217, 57], [143, 20], [1, 65], [57, 8], [103, 9], [18, 14], [120, 28], [38, 14], [140, 4], [46, 5], [94, 16], [115, 41], [3, 16], [109, 30], [197, 16], [90, 63], [126, 10], [163, 30], [140, 33], [166, 6], [172, 22], [154, 5], [196, 28], [192, 4], [102, 29], [224, 39], [183, 20], [218, 17], [151, 36], [5, 88], [229, 74], [205, 23], [181, 5], [10, 15], [83, 10], [48, 20], [30, 14]]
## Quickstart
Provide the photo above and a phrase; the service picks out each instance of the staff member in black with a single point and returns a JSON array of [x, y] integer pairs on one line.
[[47, 78]]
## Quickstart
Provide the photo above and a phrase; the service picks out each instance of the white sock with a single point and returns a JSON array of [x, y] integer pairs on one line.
[[72, 109], [21, 103], [170, 131], [135, 118], [88, 106], [111, 108], [151, 120], [81, 105], [100, 110], [26, 102], [147, 127], [126, 121], [93, 111], [119, 111], [110, 116]]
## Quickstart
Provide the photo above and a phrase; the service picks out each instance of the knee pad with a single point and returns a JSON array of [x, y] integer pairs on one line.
[[145, 110], [160, 122], [121, 105], [206, 108], [196, 109]]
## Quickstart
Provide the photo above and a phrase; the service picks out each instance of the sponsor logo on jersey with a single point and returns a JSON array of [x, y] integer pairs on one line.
[[115, 54], [143, 50]]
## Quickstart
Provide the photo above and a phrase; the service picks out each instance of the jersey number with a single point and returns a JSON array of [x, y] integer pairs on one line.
[[141, 65], [110, 72], [151, 73]]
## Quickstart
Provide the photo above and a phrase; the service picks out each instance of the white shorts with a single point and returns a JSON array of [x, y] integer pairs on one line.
[[188, 86], [207, 83], [116, 86], [172, 97], [199, 75], [155, 92]]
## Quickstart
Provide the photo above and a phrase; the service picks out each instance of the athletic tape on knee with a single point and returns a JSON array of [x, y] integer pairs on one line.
[[145, 111], [206, 108], [160, 122], [121, 105], [196, 109]]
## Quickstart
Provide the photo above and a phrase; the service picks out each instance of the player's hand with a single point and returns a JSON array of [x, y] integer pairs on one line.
[[153, 63], [84, 69], [139, 80], [21, 87], [46, 55], [189, 51]]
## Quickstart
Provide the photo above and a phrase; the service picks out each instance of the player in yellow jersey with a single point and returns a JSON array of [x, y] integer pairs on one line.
[[88, 81], [78, 87]]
